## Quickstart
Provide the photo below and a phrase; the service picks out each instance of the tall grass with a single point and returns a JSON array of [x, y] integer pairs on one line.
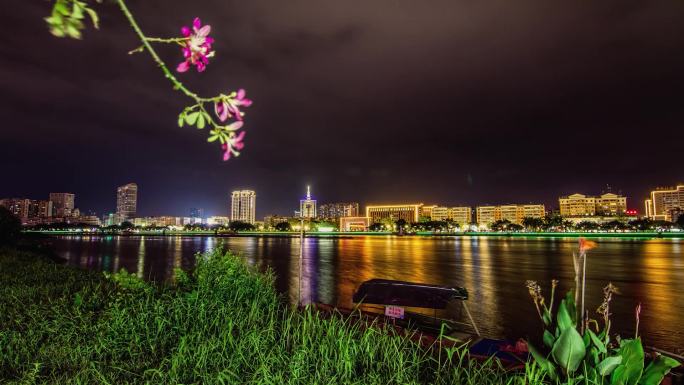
[[223, 323]]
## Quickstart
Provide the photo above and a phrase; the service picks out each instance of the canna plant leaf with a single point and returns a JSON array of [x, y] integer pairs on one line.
[[632, 366], [609, 364], [597, 342], [569, 351], [656, 370], [549, 339]]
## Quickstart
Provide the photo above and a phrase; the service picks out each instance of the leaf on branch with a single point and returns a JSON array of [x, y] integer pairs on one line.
[[191, 118]]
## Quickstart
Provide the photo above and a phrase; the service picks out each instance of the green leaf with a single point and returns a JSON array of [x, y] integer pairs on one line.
[[609, 364], [191, 118], [77, 11], [656, 370], [563, 317], [549, 339], [72, 31], [597, 342], [200, 121], [568, 351], [60, 7], [632, 366], [94, 17]]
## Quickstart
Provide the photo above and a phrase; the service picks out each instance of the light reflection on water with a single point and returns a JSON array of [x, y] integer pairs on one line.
[[494, 270]]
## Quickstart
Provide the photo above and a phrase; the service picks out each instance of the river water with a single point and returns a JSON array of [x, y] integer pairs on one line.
[[493, 269]]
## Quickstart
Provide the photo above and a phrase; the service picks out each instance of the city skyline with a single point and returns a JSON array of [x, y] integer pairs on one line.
[[485, 109], [632, 205]]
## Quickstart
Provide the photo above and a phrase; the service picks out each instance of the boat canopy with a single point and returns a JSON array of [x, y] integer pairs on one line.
[[401, 293]]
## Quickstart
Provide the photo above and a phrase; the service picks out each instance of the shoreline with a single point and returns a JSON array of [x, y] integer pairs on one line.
[[294, 234]]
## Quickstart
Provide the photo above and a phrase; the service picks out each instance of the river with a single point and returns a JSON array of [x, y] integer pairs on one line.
[[493, 269]]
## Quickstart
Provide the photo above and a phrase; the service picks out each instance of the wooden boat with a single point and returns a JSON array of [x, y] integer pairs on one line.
[[404, 305]]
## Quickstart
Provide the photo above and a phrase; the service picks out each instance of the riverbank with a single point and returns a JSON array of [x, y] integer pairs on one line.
[[315, 234], [224, 323]]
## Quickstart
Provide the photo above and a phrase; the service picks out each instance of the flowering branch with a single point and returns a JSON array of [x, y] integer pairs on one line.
[[65, 20]]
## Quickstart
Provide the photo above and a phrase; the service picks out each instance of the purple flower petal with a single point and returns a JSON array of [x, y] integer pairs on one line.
[[241, 93], [197, 24], [183, 67], [185, 31], [204, 31]]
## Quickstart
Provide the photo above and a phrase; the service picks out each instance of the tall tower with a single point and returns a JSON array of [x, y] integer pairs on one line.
[[126, 201], [243, 206], [307, 207]]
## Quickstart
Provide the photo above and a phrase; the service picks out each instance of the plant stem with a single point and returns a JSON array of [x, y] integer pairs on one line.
[[146, 43]]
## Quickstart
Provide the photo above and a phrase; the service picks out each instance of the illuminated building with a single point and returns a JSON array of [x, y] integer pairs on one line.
[[577, 205], [62, 204], [354, 223], [18, 207], [243, 206], [307, 207], [665, 202], [426, 212], [580, 205], [408, 212], [461, 215], [487, 215], [334, 211], [196, 212], [271, 221], [610, 204], [218, 221], [126, 201]]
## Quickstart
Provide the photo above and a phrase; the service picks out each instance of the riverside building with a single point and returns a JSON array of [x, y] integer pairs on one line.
[[335, 211], [243, 206], [408, 212], [307, 206], [486, 215], [580, 205], [665, 203], [126, 201], [461, 215], [62, 204]]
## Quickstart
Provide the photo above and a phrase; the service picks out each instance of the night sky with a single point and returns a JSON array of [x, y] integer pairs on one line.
[[447, 102]]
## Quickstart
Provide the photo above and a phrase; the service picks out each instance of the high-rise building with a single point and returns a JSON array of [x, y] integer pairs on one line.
[[19, 207], [196, 212], [335, 211], [41, 209], [307, 207], [408, 212], [487, 215], [664, 202], [243, 206], [580, 205], [127, 201], [62, 204]]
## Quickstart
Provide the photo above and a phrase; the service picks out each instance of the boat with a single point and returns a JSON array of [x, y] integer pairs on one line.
[[405, 305]]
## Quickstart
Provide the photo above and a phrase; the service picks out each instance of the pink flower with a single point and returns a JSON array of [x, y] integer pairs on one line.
[[239, 101], [234, 144], [226, 108], [197, 48]]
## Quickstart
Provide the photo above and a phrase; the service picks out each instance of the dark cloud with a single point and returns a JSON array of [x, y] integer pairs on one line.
[[440, 101]]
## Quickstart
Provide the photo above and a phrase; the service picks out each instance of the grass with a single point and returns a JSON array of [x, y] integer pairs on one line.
[[223, 323]]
